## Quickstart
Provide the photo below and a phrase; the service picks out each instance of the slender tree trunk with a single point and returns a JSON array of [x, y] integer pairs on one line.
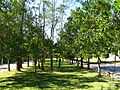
[[21, 29], [114, 64], [52, 33], [8, 65], [59, 62], [28, 62], [35, 62], [43, 36], [99, 68], [81, 62], [18, 65], [2, 60], [42, 65], [72, 61], [38, 63], [21, 62], [77, 62], [51, 64], [88, 65]]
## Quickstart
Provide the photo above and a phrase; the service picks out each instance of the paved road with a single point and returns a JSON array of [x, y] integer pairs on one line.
[[109, 69], [12, 66], [106, 68]]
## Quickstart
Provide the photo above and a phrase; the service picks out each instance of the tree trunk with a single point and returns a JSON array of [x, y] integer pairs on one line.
[[88, 65], [18, 66], [114, 64], [43, 36], [2, 60], [21, 30], [28, 62], [72, 61], [8, 65], [77, 62], [81, 62], [21, 62], [59, 62], [38, 63], [99, 68], [42, 65], [51, 64], [35, 62]]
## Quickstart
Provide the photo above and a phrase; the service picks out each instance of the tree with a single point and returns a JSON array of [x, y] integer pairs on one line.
[[89, 30]]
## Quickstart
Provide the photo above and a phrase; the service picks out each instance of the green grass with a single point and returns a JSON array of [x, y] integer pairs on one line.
[[68, 77]]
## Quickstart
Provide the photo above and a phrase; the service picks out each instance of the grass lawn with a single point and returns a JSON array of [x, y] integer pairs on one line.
[[68, 77]]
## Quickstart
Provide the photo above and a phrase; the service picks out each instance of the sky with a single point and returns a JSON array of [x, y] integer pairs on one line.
[[72, 5]]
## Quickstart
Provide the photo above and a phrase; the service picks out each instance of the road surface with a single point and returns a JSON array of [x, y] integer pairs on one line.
[[106, 68]]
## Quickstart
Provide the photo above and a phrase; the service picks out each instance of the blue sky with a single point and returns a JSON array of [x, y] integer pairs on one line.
[[72, 5]]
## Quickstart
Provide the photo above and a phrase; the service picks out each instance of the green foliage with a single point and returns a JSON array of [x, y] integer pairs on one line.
[[92, 29], [19, 36]]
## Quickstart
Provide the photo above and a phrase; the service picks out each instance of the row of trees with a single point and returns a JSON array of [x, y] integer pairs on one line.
[[91, 31], [23, 25]]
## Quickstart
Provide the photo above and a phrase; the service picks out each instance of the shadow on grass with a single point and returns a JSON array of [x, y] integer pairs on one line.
[[71, 69], [45, 80]]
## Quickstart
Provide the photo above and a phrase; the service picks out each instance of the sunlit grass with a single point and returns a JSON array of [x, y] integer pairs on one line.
[[67, 77]]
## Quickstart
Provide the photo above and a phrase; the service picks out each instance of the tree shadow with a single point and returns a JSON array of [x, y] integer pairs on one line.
[[71, 69], [117, 85], [45, 80], [49, 80]]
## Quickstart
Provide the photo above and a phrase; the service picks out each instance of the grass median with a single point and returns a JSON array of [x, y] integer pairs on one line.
[[68, 77]]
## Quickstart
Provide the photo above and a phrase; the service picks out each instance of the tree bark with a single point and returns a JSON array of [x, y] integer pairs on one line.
[[38, 63], [77, 62], [21, 62], [42, 65], [21, 30], [35, 62], [72, 61], [59, 62], [18, 66], [51, 64], [28, 62], [2, 60], [81, 62], [8, 65], [43, 36], [99, 68], [114, 64], [88, 65]]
